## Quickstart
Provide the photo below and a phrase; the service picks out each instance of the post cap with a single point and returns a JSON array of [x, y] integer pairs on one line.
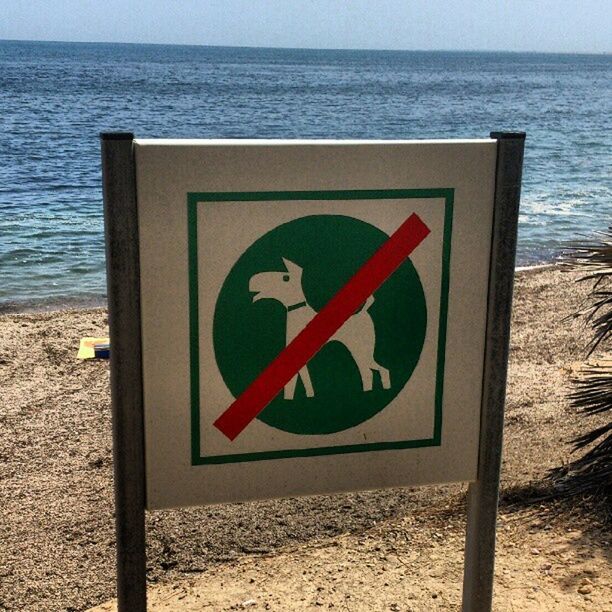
[[508, 135], [116, 135]]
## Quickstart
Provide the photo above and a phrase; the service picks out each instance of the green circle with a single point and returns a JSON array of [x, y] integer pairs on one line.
[[248, 335]]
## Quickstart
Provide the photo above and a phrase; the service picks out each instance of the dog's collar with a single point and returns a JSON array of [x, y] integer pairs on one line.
[[296, 306]]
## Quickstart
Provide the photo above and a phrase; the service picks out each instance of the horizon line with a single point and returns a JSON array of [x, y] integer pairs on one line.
[[282, 48]]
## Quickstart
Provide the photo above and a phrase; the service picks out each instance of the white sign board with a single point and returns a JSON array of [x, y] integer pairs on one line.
[[313, 314]]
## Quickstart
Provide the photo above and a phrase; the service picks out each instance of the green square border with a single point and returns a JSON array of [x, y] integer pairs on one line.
[[194, 198]]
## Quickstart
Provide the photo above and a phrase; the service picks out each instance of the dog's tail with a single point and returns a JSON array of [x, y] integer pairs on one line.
[[368, 304]]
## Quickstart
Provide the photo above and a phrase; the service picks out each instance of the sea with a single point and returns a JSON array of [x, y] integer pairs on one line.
[[55, 99]]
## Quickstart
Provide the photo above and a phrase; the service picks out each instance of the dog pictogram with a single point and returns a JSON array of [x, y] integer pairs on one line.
[[357, 334]]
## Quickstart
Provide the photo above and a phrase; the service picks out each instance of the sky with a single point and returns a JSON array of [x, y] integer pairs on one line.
[[573, 26]]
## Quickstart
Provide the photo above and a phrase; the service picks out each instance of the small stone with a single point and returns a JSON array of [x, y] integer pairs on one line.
[[248, 603], [535, 551], [585, 589]]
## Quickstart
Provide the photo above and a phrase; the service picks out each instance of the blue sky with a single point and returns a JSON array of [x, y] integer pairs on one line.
[[513, 25]]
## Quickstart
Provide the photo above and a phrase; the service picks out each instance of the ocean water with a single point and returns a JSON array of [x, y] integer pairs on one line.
[[55, 98]]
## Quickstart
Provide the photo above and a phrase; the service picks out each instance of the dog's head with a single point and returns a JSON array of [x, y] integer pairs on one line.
[[285, 287]]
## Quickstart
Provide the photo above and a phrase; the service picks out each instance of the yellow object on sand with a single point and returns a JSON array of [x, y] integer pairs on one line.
[[86, 350]]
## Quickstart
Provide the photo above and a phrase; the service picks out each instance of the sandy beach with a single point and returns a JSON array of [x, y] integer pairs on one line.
[[384, 550]]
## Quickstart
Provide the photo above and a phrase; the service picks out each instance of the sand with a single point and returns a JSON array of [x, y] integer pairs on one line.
[[386, 550]]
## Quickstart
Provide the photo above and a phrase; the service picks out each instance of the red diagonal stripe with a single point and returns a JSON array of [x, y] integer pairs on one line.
[[323, 326]]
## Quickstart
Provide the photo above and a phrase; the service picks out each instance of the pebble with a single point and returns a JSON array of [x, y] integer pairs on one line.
[[535, 551], [248, 603], [585, 589]]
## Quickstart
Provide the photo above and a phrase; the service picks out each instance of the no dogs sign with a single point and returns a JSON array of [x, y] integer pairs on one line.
[[313, 314], [334, 379], [300, 317]]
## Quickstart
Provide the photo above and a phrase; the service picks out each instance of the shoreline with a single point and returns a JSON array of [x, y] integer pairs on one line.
[[52, 304], [97, 301]]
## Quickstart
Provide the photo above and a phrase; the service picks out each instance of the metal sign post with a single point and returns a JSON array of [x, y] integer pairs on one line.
[[484, 493], [123, 282], [128, 319]]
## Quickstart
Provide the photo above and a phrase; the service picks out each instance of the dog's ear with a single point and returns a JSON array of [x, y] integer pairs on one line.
[[292, 268]]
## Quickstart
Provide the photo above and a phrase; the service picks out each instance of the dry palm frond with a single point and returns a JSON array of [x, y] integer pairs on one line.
[[594, 260], [592, 395], [593, 388], [592, 472]]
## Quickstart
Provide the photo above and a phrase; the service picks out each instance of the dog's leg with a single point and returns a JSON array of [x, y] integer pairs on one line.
[[289, 390], [305, 376], [385, 377], [367, 377]]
